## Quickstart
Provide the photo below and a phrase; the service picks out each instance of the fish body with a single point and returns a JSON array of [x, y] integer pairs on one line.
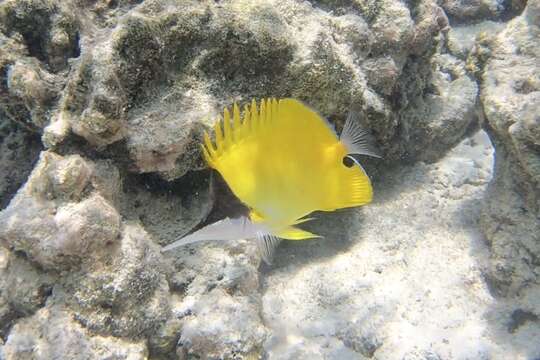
[[284, 161]]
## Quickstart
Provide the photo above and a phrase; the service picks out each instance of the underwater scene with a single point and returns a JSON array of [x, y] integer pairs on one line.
[[270, 179]]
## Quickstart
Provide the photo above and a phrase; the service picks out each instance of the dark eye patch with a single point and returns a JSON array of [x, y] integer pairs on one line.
[[348, 162]]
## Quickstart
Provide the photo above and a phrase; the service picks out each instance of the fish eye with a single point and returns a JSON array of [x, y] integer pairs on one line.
[[347, 161]]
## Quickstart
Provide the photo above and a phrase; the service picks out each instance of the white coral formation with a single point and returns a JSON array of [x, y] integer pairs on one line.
[[52, 333], [57, 218], [65, 218]]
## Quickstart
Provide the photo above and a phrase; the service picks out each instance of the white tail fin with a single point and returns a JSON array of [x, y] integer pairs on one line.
[[356, 139]]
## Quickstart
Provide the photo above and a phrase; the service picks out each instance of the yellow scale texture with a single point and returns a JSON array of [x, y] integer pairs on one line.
[[283, 161]]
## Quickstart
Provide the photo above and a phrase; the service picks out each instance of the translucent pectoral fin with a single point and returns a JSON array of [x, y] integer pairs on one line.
[[226, 229], [356, 139]]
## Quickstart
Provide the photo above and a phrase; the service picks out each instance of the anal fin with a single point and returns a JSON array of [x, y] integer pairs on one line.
[[293, 233], [303, 220]]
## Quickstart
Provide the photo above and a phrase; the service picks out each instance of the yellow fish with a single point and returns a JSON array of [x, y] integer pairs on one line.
[[283, 161]]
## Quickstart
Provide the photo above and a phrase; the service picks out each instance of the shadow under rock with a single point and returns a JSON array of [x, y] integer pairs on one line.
[[224, 202], [391, 181], [19, 152], [167, 209], [340, 230]]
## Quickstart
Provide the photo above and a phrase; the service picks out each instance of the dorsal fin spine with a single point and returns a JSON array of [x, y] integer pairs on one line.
[[219, 136], [275, 109], [246, 124], [254, 116], [268, 107], [209, 159], [236, 122], [234, 128], [262, 113], [269, 110], [227, 133], [209, 145]]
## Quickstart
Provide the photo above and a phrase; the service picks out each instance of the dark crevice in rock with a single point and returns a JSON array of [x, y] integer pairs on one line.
[[116, 152], [19, 151], [48, 30], [225, 203], [512, 8], [33, 26], [7, 323], [167, 209], [461, 12], [182, 187], [33, 289], [369, 9], [77, 45], [519, 318]]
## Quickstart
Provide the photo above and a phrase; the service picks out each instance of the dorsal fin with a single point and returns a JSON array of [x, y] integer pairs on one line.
[[231, 129], [356, 139]]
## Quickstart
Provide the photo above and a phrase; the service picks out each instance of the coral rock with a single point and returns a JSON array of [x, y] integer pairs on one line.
[[44, 221], [511, 101], [32, 339]]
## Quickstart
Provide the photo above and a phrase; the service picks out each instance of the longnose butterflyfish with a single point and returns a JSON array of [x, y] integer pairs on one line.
[[283, 161]]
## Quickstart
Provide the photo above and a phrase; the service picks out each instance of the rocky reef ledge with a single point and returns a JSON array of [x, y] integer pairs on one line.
[[102, 107]]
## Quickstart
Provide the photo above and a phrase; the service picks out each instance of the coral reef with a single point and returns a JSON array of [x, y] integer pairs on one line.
[[511, 103], [60, 217], [102, 108], [200, 56], [19, 151], [53, 331], [463, 11]]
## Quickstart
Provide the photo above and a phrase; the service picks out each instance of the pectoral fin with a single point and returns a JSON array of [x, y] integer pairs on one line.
[[356, 139]]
